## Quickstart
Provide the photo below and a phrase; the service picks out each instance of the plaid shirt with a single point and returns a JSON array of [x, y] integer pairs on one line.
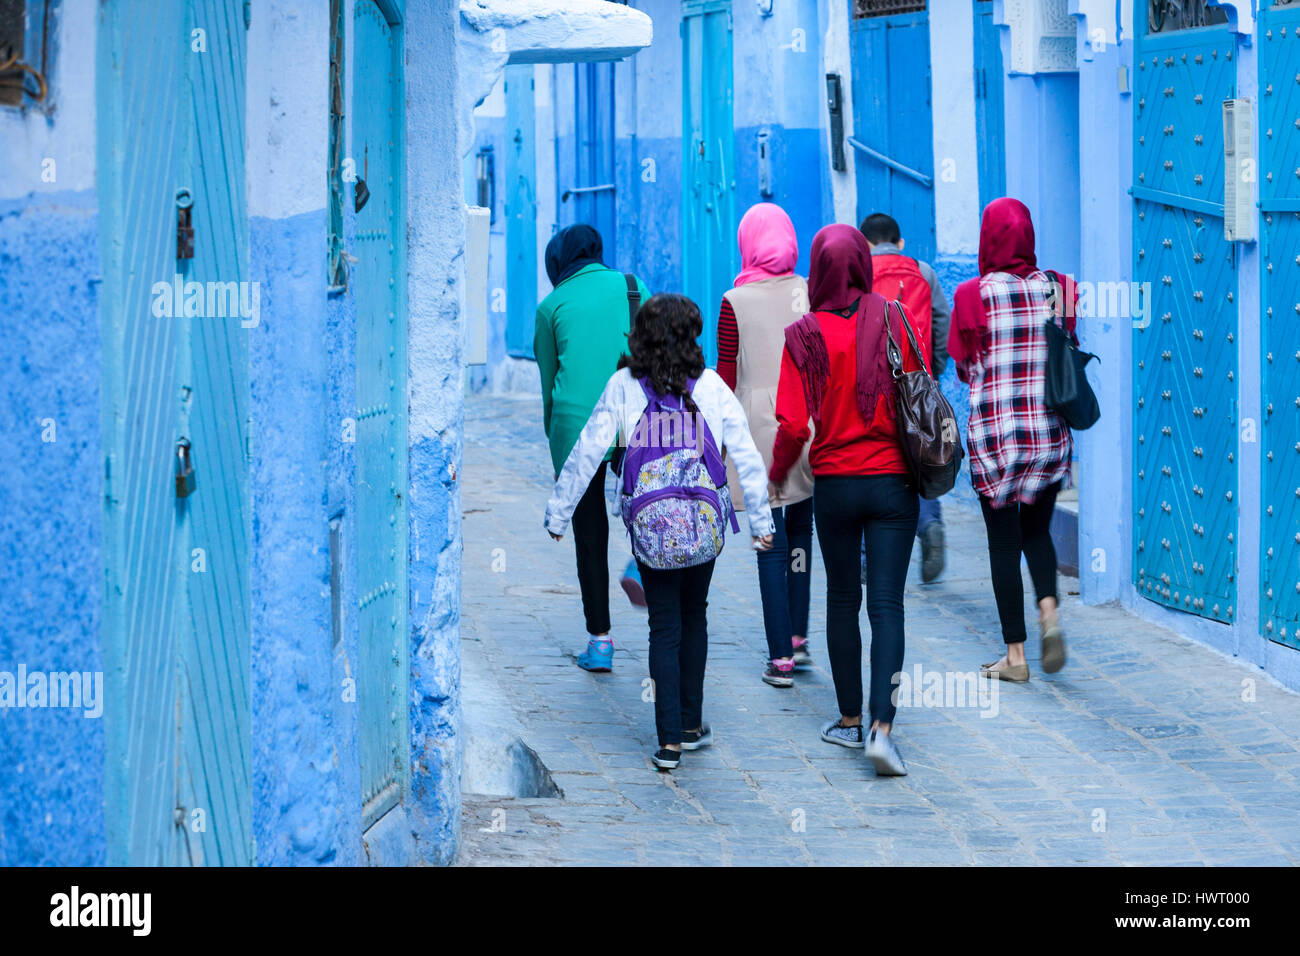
[[1018, 446]]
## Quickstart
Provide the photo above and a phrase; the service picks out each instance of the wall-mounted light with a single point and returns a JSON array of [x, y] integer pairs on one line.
[[764, 8]]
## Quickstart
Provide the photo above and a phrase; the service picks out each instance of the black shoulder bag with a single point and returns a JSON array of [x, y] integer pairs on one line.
[[1066, 389]]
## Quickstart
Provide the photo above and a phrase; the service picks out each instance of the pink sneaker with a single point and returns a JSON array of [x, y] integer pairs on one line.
[[779, 673]]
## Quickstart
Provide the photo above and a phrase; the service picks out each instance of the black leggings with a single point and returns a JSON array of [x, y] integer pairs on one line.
[[1015, 529], [591, 541], [677, 601], [883, 510]]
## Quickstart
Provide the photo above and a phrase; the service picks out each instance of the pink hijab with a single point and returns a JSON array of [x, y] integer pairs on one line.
[[768, 247]]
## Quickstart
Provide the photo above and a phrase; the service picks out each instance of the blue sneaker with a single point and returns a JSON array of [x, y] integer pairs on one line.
[[631, 582], [599, 655]]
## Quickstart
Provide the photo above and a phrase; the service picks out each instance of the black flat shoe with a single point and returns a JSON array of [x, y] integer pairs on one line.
[[666, 759]]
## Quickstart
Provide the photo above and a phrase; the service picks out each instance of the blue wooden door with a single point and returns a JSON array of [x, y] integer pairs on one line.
[[521, 212], [1185, 360], [1279, 124], [710, 258], [989, 131], [892, 134], [170, 138], [591, 191], [377, 283]]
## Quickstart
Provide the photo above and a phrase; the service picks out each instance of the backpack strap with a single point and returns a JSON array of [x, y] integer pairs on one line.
[[633, 298]]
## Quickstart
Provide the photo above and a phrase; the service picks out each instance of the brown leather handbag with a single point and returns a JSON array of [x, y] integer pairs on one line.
[[927, 427]]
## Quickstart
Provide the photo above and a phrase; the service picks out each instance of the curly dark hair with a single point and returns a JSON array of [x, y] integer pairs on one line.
[[664, 343]]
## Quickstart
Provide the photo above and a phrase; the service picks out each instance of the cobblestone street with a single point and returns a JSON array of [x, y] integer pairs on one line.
[[1146, 749]]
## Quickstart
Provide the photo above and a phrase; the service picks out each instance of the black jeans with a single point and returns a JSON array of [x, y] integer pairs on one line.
[[882, 510], [785, 577], [591, 542], [1013, 530], [679, 645]]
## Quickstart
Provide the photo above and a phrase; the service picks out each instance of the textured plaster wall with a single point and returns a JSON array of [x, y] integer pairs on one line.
[[306, 780], [436, 104], [952, 85], [51, 760]]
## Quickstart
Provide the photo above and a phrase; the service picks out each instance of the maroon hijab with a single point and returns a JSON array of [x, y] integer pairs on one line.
[[1006, 245], [839, 274]]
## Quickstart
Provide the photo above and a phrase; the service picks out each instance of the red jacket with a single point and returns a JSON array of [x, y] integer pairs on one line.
[[843, 444]]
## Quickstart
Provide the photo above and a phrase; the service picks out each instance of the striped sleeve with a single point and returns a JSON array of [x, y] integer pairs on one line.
[[728, 343]]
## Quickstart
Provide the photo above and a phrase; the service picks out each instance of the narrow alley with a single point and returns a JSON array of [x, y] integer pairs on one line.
[[1146, 749]]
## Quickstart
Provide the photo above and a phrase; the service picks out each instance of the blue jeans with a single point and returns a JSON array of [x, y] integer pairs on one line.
[[785, 577], [931, 512]]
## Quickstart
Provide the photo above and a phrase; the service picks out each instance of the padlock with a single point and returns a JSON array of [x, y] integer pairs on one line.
[[184, 225], [185, 480]]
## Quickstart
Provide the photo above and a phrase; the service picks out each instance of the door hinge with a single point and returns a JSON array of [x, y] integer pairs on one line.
[[248, 14]]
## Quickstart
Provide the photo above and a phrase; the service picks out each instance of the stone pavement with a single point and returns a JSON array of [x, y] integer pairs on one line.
[[1146, 749]]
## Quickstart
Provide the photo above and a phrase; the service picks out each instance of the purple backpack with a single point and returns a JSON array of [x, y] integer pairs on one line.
[[674, 498]]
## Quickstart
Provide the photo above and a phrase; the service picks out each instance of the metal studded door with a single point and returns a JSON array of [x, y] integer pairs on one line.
[[709, 253], [174, 233], [1185, 359], [377, 283], [1279, 186], [892, 133], [521, 212]]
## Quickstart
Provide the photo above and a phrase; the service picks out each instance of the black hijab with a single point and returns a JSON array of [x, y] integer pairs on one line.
[[571, 249]]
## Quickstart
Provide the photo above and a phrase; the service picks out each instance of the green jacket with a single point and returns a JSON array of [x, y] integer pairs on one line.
[[581, 331]]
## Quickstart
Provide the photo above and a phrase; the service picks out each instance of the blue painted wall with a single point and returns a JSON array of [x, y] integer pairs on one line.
[[306, 789], [52, 759]]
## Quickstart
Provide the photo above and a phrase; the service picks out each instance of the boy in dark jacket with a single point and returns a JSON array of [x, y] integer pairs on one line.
[[881, 230]]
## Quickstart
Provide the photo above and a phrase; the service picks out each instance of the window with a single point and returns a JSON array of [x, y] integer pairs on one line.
[[26, 29], [884, 8]]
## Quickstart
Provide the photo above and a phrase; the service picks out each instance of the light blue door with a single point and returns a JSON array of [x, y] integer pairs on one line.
[[1185, 360], [521, 212], [1279, 116], [989, 132], [710, 258], [378, 282], [594, 198], [170, 145], [892, 134]]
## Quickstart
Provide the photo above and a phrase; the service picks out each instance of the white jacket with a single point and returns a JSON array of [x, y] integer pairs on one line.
[[617, 413]]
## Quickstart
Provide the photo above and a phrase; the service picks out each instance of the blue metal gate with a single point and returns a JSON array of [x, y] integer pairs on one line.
[[521, 212], [1185, 360], [891, 119], [989, 129], [170, 131], [1279, 123], [378, 283], [709, 253]]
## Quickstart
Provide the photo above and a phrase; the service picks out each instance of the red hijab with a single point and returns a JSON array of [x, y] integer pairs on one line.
[[1006, 245], [839, 275]]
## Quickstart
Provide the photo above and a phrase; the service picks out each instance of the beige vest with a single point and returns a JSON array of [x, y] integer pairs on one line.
[[763, 309]]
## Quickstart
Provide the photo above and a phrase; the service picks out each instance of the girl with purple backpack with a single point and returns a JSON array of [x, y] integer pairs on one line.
[[671, 419]]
